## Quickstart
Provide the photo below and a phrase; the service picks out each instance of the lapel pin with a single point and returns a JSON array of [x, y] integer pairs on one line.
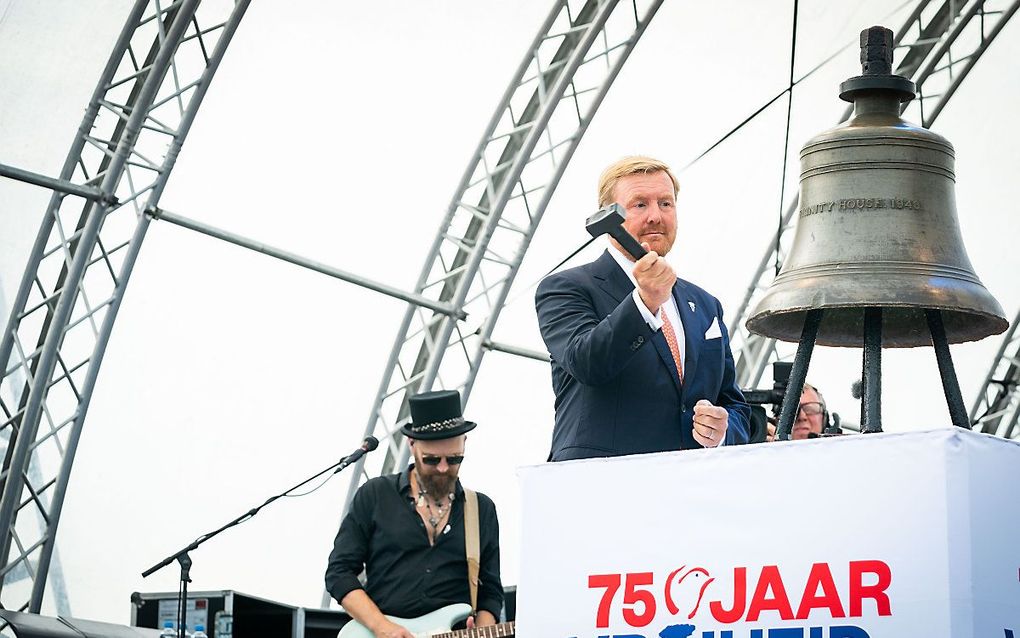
[[691, 304]]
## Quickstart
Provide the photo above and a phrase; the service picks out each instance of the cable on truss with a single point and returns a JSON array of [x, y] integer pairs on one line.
[[786, 137]]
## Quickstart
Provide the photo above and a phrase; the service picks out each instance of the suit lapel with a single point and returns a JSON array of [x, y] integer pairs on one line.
[[617, 284], [611, 278], [688, 316], [666, 355]]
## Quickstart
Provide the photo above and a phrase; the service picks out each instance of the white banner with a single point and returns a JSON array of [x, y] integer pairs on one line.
[[887, 535]]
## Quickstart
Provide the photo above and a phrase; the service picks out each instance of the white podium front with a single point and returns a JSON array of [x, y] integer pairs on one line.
[[885, 535]]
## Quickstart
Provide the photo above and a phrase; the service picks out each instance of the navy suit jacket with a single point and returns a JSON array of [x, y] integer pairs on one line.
[[617, 387]]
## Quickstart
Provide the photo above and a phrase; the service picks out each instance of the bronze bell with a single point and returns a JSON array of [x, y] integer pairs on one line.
[[877, 227]]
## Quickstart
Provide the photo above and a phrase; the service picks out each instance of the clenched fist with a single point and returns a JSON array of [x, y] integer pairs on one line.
[[710, 423], [655, 279]]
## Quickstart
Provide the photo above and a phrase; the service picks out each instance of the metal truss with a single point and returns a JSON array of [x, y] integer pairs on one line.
[[997, 407], [510, 178], [62, 316], [943, 42]]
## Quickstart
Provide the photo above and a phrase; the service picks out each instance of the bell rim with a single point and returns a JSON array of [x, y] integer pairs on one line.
[[991, 324]]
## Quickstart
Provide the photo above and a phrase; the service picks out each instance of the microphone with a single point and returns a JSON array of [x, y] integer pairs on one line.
[[856, 389], [370, 443]]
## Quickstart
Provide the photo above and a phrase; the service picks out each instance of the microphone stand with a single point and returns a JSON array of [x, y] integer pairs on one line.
[[184, 559]]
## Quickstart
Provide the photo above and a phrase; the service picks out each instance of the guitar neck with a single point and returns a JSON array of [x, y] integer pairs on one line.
[[502, 630]]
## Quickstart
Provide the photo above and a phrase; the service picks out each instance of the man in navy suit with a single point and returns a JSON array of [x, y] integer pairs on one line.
[[641, 360]]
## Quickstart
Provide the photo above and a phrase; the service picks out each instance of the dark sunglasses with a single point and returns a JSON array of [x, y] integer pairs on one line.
[[455, 459]]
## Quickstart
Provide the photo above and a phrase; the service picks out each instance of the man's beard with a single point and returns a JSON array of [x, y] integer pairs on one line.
[[438, 485]]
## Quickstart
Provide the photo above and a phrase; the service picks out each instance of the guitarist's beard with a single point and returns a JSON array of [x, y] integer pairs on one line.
[[438, 485]]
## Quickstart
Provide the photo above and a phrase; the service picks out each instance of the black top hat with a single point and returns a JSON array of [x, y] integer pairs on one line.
[[436, 415]]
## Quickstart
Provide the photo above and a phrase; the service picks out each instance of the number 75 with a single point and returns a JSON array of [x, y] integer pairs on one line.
[[631, 597]]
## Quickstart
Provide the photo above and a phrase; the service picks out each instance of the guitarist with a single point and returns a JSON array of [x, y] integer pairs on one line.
[[407, 531]]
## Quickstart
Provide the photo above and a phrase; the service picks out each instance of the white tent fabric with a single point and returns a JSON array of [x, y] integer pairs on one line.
[[338, 131]]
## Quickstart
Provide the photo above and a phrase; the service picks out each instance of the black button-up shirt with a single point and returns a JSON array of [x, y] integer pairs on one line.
[[405, 576]]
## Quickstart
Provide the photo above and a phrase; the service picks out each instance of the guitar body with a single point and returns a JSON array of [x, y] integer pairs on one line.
[[439, 621]]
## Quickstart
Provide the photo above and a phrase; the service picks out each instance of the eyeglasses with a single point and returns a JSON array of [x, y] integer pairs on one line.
[[812, 408], [432, 460]]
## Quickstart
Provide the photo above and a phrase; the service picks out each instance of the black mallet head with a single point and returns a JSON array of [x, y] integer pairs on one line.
[[609, 220]]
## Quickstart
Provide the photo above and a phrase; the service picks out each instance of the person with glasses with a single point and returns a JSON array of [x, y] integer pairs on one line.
[[407, 531], [811, 416]]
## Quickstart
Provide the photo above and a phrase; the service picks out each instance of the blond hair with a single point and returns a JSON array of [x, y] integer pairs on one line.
[[631, 166]]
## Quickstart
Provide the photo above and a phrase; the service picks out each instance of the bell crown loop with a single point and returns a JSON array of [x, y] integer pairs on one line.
[[876, 69]]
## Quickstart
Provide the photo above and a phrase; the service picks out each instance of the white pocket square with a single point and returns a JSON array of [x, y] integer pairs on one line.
[[713, 332]]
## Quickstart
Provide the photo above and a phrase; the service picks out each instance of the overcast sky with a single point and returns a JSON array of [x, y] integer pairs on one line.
[[339, 131]]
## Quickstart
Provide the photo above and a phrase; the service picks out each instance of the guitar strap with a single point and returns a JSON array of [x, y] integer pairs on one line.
[[471, 543]]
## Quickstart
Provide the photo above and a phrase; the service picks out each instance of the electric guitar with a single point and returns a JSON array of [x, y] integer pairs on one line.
[[438, 624]]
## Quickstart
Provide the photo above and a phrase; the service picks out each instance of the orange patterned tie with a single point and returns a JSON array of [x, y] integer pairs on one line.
[[667, 331]]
